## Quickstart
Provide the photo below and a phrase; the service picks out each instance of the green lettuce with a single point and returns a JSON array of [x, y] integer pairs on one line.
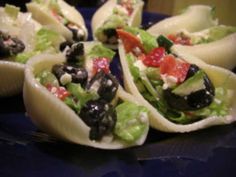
[[101, 51], [149, 42], [211, 34], [131, 121], [80, 94]]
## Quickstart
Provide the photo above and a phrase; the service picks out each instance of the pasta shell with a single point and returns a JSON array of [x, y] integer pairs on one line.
[[53, 116], [105, 11], [42, 15], [219, 77], [194, 18], [11, 78]]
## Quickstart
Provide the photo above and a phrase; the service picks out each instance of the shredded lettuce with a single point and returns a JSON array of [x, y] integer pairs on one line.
[[131, 121], [25, 56], [80, 94], [46, 39], [101, 51], [47, 77]]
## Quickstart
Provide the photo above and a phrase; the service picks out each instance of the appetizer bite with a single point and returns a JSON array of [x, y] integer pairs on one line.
[[21, 38], [76, 98], [196, 32], [181, 92], [61, 17], [194, 18], [115, 14]]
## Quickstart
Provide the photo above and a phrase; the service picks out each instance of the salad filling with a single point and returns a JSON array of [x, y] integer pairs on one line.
[[119, 18], [18, 45], [205, 36], [180, 91], [85, 84]]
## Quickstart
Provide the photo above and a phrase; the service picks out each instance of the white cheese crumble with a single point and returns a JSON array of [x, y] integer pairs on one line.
[[65, 79], [139, 64], [169, 81], [95, 86], [143, 117]]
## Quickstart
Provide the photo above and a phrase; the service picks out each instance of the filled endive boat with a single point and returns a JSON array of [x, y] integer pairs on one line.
[[59, 16], [21, 38], [76, 98], [115, 14], [181, 92], [194, 18]]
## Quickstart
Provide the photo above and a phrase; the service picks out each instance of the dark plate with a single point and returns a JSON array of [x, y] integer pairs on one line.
[[25, 151]]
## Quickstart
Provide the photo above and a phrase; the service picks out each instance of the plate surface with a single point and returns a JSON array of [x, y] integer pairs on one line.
[[26, 151]]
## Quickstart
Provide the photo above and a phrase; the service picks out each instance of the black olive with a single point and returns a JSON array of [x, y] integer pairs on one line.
[[110, 32], [63, 45], [10, 45], [195, 100], [78, 75], [192, 70], [100, 116], [76, 53], [104, 84], [111, 35]]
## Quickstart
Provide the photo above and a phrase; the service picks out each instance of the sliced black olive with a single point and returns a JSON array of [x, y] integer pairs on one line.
[[111, 35], [76, 53], [78, 75], [100, 116], [104, 84], [65, 44], [110, 32], [192, 70], [194, 101], [10, 45]]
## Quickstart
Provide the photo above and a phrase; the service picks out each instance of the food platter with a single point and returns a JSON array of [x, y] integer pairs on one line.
[[27, 151]]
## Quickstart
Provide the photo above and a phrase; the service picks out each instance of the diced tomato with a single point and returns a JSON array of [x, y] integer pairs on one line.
[[131, 42], [101, 64], [59, 92], [173, 67], [153, 58], [179, 39]]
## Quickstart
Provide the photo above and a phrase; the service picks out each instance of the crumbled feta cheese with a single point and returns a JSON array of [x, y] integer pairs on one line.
[[95, 86], [169, 81], [65, 79], [139, 64], [143, 117]]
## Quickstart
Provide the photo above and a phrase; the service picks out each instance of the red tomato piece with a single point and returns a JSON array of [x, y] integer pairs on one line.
[[179, 39], [153, 58], [101, 64], [131, 42], [59, 92], [173, 67]]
